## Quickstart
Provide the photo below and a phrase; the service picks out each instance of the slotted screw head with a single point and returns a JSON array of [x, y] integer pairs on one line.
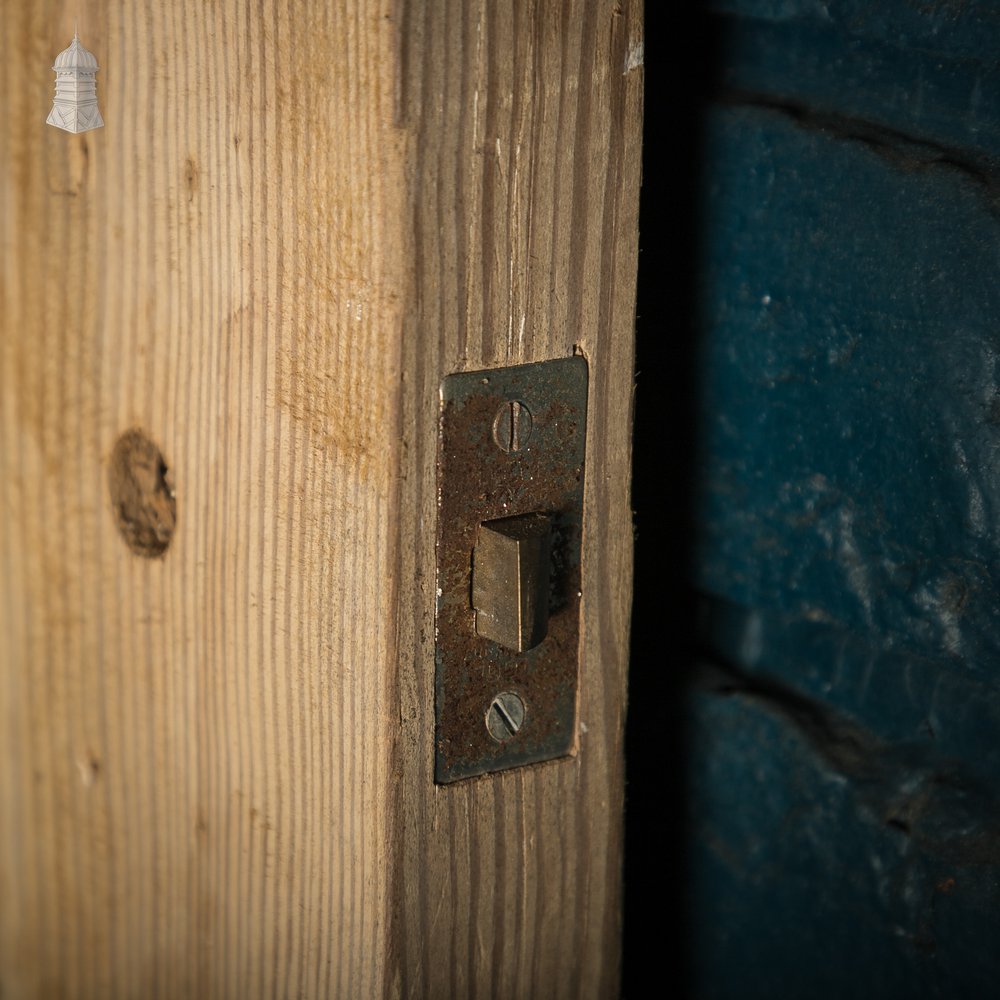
[[505, 716], [512, 426]]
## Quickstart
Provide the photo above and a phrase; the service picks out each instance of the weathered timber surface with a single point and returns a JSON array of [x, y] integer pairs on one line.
[[216, 704], [526, 124]]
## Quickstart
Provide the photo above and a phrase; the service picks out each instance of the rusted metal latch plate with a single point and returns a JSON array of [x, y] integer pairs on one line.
[[510, 446]]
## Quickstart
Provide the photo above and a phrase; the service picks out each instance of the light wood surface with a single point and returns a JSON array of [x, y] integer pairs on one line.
[[194, 764], [215, 777]]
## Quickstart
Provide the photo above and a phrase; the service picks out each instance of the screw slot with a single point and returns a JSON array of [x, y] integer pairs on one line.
[[505, 716], [512, 426]]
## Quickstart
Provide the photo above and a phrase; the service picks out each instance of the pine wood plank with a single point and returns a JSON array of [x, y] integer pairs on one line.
[[526, 118], [216, 767], [193, 771]]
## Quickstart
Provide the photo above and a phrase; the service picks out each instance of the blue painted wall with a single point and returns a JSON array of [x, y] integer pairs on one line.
[[843, 721]]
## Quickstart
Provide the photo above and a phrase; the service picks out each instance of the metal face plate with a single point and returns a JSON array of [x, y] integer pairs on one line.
[[488, 470]]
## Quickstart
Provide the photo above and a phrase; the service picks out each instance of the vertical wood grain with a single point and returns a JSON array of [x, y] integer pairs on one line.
[[216, 767], [193, 771], [526, 118]]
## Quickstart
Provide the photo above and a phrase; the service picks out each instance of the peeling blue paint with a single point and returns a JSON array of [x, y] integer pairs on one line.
[[846, 814]]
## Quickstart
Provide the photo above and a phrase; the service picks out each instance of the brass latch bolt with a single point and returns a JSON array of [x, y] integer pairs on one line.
[[510, 580]]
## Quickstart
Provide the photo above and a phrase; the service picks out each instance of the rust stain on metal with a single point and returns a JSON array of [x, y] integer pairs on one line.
[[479, 481]]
